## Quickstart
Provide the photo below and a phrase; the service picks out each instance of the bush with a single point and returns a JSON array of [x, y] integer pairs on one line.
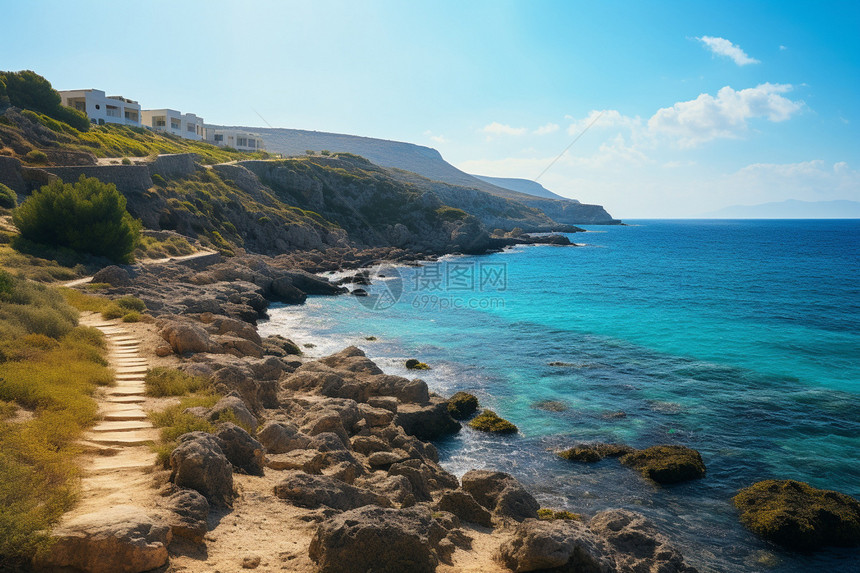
[[113, 311], [158, 180], [162, 381], [547, 514], [126, 161], [131, 303], [8, 198], [87, 217], [29, 90], [132, 316], [36, 156]]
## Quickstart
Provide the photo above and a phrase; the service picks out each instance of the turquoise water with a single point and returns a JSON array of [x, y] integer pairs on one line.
[[738, 338]]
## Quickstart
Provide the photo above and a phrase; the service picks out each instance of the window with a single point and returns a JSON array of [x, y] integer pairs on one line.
[[158, 121], [219, 137], [191, 127], [175, 124]]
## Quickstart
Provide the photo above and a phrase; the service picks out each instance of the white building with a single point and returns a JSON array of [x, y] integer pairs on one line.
[[185, 125], [237, 139], [103, 109]]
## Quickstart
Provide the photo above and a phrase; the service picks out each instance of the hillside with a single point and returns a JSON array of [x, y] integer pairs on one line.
[[526, 186], [424, 161]]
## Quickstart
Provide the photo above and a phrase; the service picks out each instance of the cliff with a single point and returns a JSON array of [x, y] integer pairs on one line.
[[424, 161]]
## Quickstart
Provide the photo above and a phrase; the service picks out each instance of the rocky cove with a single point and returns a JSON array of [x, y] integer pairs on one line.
[[331, 454]]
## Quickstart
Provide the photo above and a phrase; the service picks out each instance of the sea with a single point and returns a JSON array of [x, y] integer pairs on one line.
[[739, 338]]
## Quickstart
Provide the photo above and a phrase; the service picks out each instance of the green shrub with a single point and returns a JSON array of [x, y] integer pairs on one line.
[[132, 316], [126, 161], [28, 90], [158, 180], [8, 198], [87, 217], [547, 514], [36, 156], [451, 213], [131, 303], [161, 381], [113, 311]]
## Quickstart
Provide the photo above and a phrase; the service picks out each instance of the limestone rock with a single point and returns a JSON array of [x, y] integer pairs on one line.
[[464, 506], [636, 543], [427, 422], [188, 512], [121, 539], [186, 337], [312, 491], [541, 545], [501, 493], [243, 451], [237, 407], [462, 405], [113, 275], [379, 540], [199, 463], [281, 437]]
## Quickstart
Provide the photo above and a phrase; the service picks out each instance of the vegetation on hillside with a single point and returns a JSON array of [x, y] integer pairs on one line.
[[49, 368], [28, 90], [88, 217]]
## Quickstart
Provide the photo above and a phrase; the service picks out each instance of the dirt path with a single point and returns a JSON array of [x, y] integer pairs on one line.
[[118, 460], [197, 255]]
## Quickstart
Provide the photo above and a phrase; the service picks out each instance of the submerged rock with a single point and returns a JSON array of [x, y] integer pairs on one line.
[[489, 421], [666, 464], [462, 405], [551, 406], [415, 364], [799, 516]]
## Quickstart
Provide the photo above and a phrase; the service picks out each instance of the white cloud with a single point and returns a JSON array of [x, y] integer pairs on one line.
[[783, 48], [722, 47], [546, 129], [724, 116], [604, 118], [435, 138], [497, 128]]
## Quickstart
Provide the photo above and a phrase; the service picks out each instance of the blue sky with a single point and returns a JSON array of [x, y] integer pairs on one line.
[[700, 104]]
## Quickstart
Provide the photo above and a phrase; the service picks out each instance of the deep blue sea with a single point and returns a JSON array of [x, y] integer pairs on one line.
[[738, 338]]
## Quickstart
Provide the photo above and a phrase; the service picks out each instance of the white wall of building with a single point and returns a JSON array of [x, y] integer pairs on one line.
[[101, 108], [240, 140], [186, 125]]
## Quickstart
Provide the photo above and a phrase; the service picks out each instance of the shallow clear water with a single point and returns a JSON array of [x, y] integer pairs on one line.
[[738, 338]]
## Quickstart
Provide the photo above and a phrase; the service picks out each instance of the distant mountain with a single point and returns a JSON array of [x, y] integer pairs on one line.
[[424, 161], [526, 186], [791, 209]]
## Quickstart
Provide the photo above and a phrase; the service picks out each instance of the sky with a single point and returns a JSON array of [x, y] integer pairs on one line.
[[664, 108]]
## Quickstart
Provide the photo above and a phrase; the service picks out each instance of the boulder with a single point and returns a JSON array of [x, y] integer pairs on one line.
[[120, 539], [281, 437], [308, 461], [463, 505], [798, 516], [186, 337], [427, 422], [636, 543], [379, 540], [384, 460], [283, 290], [376, 417], [277, 345], [188, 511], [113, 275], [501, 493], [666, 464], [243, 451], [543, 545], [199, 463], [462, 405], [233, 405], [313, 491]]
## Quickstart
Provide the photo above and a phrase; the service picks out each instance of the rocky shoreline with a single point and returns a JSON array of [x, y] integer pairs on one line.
[[344, 443]]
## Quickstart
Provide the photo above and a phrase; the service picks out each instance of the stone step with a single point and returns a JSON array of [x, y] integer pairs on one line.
[[125, 399], [121, 426], [119, 462], [119, 339], [132, 438], [125, 416], [102, 450], [130, 362], [125, 343], [130, 369], [133, 391]]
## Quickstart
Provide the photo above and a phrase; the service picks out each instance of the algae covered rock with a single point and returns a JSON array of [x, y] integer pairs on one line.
[[666, 464], [414, 364], [799, 516], [462, 405], [489, 421], [589, 453]]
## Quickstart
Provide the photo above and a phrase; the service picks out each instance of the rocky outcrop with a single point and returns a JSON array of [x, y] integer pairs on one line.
[[427, 421], [121, 539], [589, 453], [199, 463], [243, 451], [463, 505], [636, 543], [462, 405], [544, 545], [313, 491], [666, 464], [799, 516], [379, 540], [500, 493], [187, 512]]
